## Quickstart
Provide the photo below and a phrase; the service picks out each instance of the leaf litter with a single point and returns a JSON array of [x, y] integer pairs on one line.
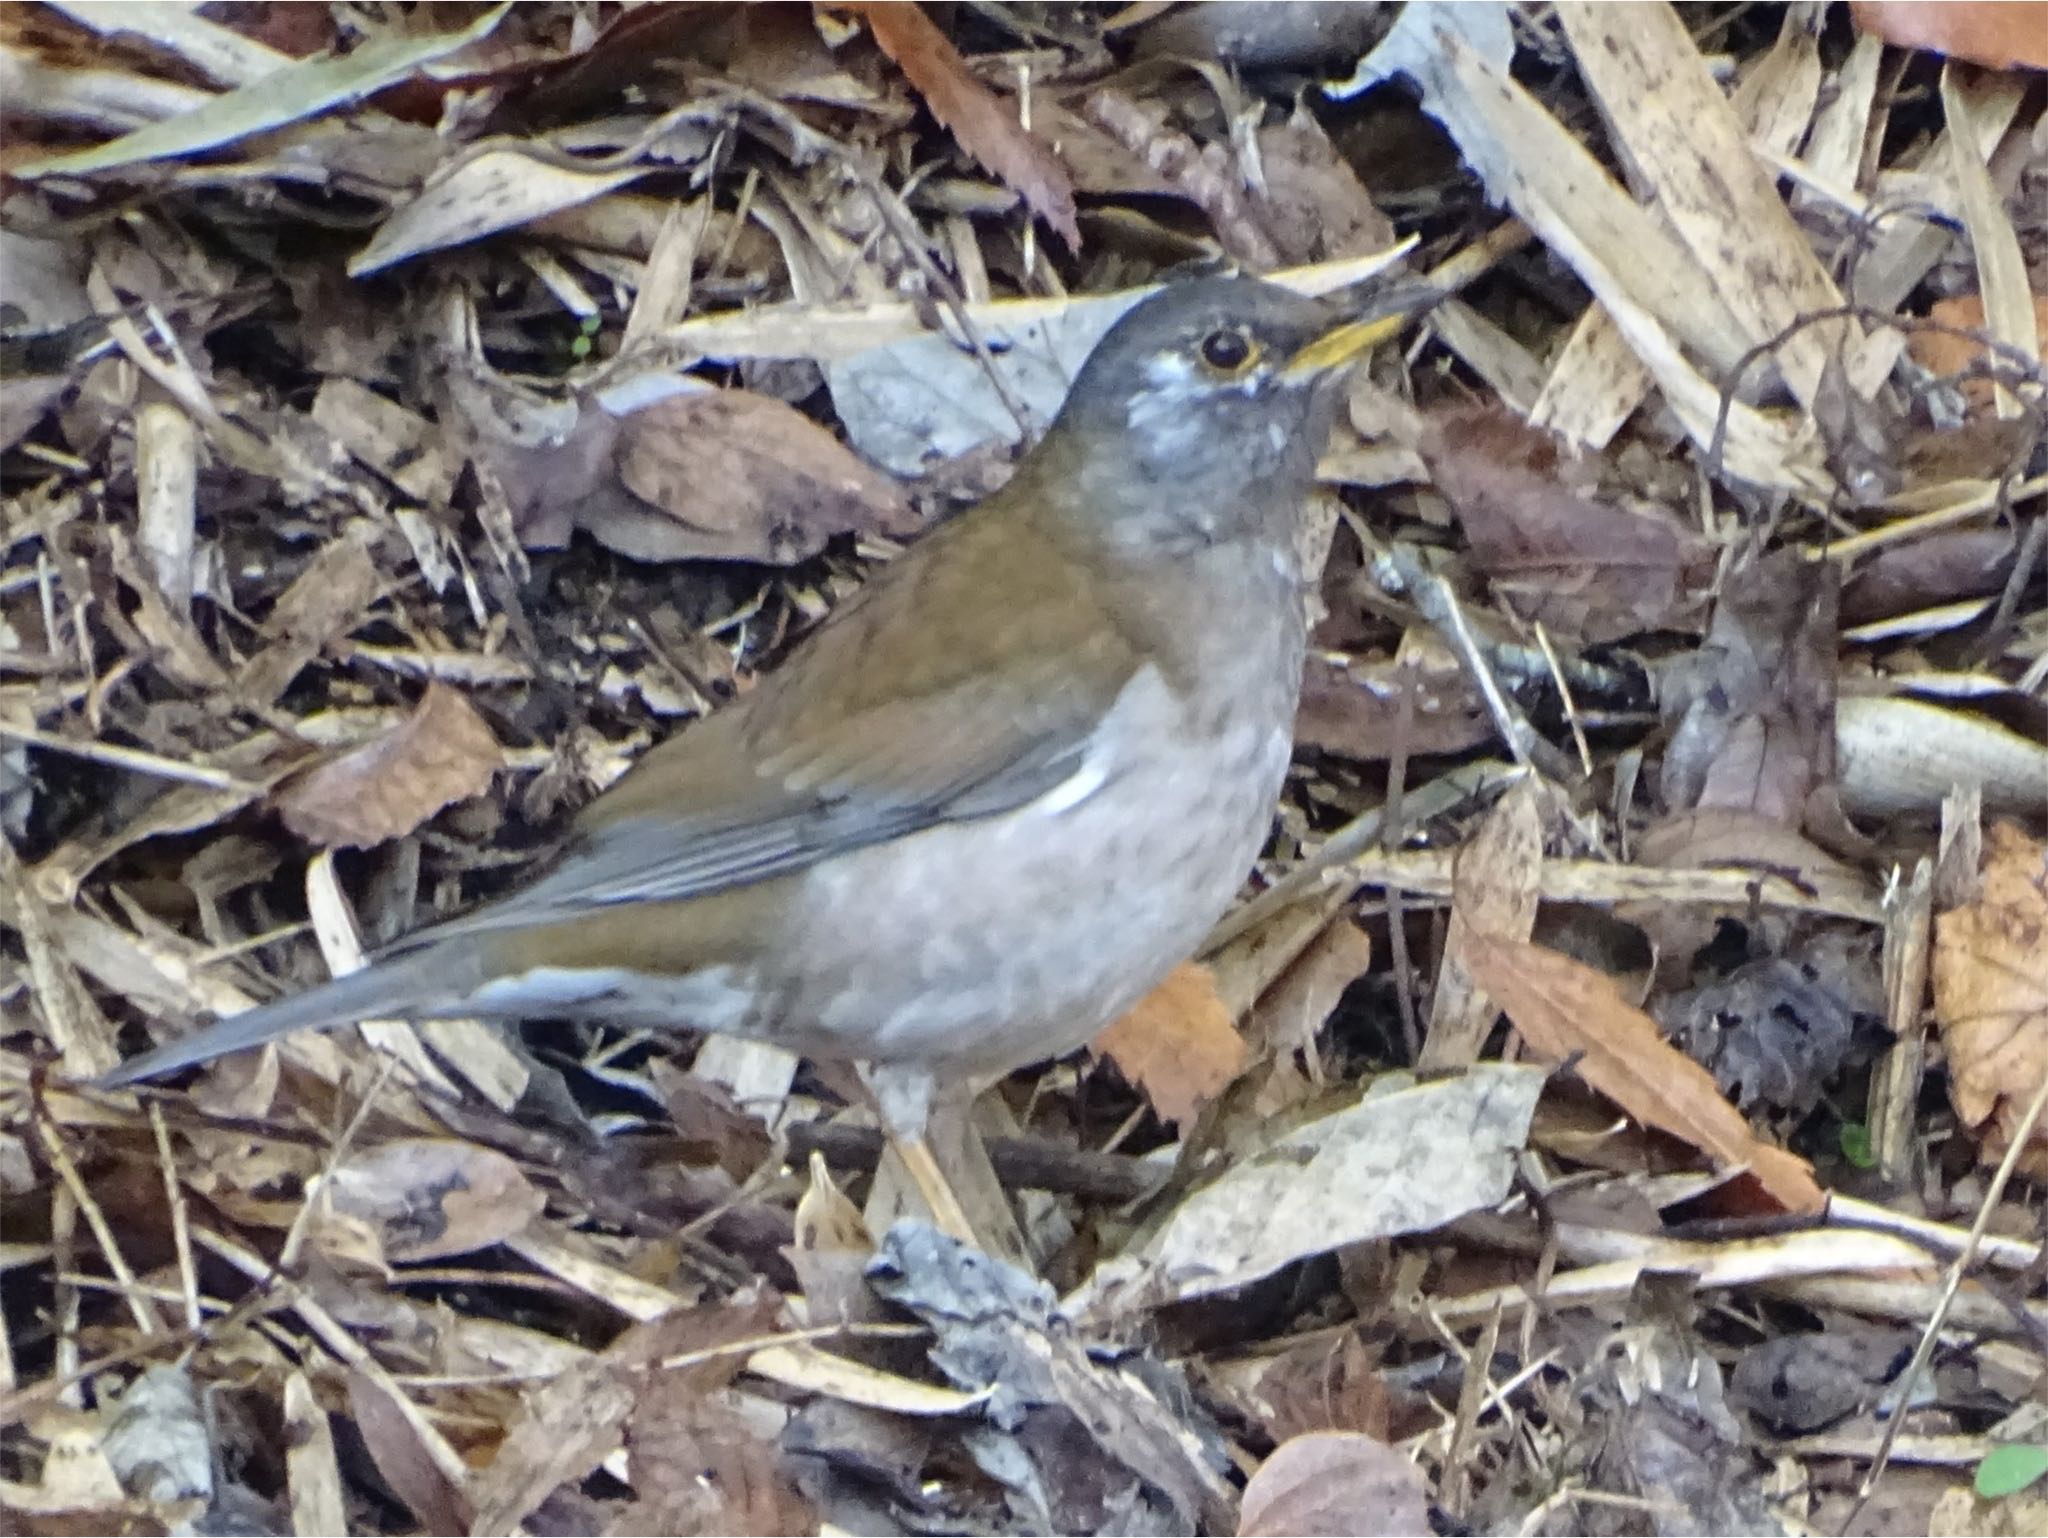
[[410, 416]]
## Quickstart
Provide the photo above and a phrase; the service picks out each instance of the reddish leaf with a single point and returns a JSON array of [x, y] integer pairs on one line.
[[1991, 994], [986, 126], [1562, 1007]]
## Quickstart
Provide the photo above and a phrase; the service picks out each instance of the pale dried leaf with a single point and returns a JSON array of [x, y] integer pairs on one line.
[[1406, 1158], [440, 754], [300, 90], [488, 191], [1991, 993], [1335, 1484]]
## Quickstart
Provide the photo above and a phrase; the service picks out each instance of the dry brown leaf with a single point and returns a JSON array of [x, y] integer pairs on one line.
[[1334, 1484], [429, 1198], [1755, 706], [2000, 33], [325, 602], [1553, 551], [698, 1467], [1313, 205], [440, 754], [732, 475], [1178, 1044], [1327, 1386], [1354, 708], [1291, 1011], [1563, 1007], [986, 126], [1991, 994]]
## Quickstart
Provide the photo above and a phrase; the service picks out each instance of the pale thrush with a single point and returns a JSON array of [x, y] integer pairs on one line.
[[997, 797]]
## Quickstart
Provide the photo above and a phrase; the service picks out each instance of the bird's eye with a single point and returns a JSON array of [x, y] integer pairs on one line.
[[1228, 351]]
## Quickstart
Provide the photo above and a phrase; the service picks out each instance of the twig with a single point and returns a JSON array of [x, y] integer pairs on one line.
[[130, 758], [2022, 1135]]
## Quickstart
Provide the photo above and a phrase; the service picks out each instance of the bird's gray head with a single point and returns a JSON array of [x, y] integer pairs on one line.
[[1209, 397]]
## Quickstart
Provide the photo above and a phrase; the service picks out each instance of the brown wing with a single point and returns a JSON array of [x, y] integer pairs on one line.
[[954, 688]]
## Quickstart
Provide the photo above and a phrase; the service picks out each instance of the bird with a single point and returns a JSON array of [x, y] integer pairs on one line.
[[995, 797]]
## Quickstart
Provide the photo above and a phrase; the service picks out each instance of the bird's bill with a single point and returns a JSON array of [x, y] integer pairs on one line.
[[1386, 313]]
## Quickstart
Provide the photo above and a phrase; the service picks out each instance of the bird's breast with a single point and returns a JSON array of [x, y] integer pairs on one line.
[[991, 943]]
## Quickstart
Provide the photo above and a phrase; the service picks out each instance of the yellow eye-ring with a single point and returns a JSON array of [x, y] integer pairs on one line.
[[1229, 351]]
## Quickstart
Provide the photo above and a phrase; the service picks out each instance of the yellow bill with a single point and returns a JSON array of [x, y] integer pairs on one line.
[[1386, 313]]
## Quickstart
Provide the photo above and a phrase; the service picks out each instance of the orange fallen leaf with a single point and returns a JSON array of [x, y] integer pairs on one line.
[[986, 126], [1991, 994], [440, 754], [1945, 353], [1562, 1006], [1178, 1044], [2000, 34]]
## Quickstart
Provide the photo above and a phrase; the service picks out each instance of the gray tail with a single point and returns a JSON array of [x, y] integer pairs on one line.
[[423, 984]]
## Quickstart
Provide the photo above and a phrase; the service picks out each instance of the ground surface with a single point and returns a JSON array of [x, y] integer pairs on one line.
[[1676, 716]]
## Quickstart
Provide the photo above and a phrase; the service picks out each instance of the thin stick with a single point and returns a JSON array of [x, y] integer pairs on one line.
[[181, 1224], [2021, 1136], [130, 758], [96, 1220]]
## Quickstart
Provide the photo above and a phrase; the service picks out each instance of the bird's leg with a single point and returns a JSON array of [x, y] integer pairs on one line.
[[936, 1190], [904, 1096]]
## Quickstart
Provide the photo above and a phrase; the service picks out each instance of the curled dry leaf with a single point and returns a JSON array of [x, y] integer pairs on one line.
[[1335, 1484], [987, 127], [1553, 552], [1178, 1044], [732, 475], [1904, 755], [440, 754], [427, 1198], [1991, 994], [1563, 1007]]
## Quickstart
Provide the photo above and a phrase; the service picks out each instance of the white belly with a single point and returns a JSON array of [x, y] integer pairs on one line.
[[999, 942]]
